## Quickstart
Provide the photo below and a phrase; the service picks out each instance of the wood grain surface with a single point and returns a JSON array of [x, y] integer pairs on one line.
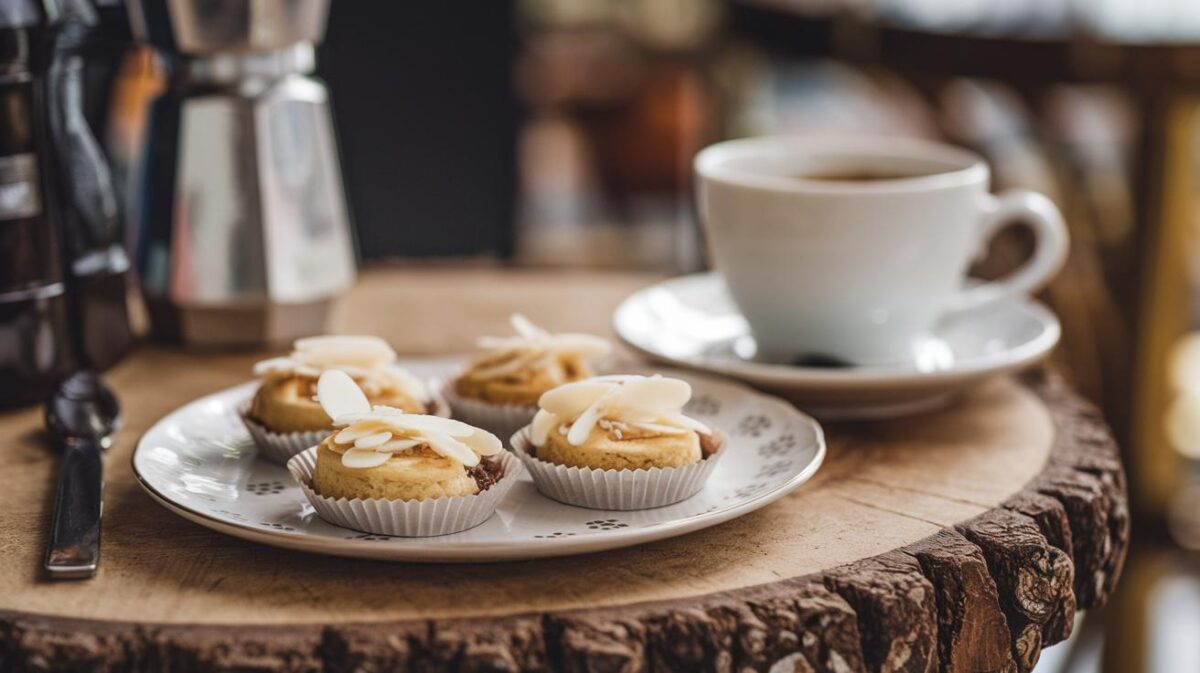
[[962, 540]]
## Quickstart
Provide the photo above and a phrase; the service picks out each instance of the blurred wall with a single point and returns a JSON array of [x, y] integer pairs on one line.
[[426, 117]]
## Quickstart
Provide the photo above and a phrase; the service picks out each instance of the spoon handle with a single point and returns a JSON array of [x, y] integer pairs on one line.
[[74, 549]]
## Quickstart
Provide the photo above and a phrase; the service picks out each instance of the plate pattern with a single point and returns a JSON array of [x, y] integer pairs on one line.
[[200, 462]]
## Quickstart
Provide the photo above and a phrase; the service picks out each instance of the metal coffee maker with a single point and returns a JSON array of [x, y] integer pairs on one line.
[[243, 233]]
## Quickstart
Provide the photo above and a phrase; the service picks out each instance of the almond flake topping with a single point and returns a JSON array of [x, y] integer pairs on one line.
[[368, 359], [617, 404], [532, 348], [369, 434]]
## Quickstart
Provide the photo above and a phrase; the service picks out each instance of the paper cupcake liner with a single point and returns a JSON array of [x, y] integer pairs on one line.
[[613, 489], [406, 518], [501, 420], [279, 447]]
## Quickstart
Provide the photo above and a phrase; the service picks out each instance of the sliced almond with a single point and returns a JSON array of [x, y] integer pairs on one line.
[[483, 443], [447, 426], [452, 448], [372, 441], [363, 351], [399, 445], [280, 364], [654, 393], [364, 458], [660, 428], [533, 347], [688, 422], [339, 395], [543, 423], [526, 328], [581, 429], [403, 380], [580, 344], [569, 400]]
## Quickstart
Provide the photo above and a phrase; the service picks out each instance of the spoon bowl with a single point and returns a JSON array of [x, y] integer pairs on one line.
[[82, 407]]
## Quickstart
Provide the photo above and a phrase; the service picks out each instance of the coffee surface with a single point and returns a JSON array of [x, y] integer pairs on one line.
[[858, 175]]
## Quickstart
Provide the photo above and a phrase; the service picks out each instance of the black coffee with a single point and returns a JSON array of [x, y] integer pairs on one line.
[[857, 176]]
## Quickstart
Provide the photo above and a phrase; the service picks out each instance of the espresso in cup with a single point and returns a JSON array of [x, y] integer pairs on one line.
[[856, 176], [852, 249]]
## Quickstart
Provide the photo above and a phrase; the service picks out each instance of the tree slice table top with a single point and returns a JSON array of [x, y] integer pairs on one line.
[[963, 540]]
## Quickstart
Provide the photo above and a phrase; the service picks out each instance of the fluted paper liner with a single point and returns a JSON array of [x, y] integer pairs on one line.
[[406, 518], [614, 489], [279, 447], [501, 420]]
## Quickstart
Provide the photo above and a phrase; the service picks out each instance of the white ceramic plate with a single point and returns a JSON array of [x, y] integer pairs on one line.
[[199, 462], [692, 322]]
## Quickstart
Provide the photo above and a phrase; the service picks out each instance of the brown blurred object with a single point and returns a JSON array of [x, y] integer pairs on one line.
[[622, 92], [647, 144], [139, 81], [1040, 143], [579, 67], [643, 118], [1164, 306]]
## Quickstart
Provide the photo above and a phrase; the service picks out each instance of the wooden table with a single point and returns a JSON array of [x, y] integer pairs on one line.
[[967, 537]]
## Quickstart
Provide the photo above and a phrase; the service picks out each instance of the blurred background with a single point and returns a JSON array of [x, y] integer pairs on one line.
[[559, 133]]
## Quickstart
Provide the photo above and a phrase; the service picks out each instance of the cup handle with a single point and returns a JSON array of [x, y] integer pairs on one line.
[[1050, 249]]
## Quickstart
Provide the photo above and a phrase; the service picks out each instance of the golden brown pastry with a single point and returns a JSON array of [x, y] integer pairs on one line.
[[382, 452], [620, 423], [519, 369], [284, 401]]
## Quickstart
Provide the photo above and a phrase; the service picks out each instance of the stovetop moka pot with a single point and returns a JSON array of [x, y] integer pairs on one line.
[[243, 234]]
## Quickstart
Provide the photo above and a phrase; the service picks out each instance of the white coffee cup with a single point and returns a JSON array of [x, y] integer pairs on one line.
[[860, 269]]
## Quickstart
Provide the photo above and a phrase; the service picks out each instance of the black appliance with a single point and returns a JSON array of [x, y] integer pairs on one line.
[[63, 300]]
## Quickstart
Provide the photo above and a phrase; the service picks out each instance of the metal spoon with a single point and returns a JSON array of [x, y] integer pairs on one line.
[[81, 415]]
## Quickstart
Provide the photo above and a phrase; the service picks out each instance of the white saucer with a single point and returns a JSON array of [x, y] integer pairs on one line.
[[199, 462], [692, 322]]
